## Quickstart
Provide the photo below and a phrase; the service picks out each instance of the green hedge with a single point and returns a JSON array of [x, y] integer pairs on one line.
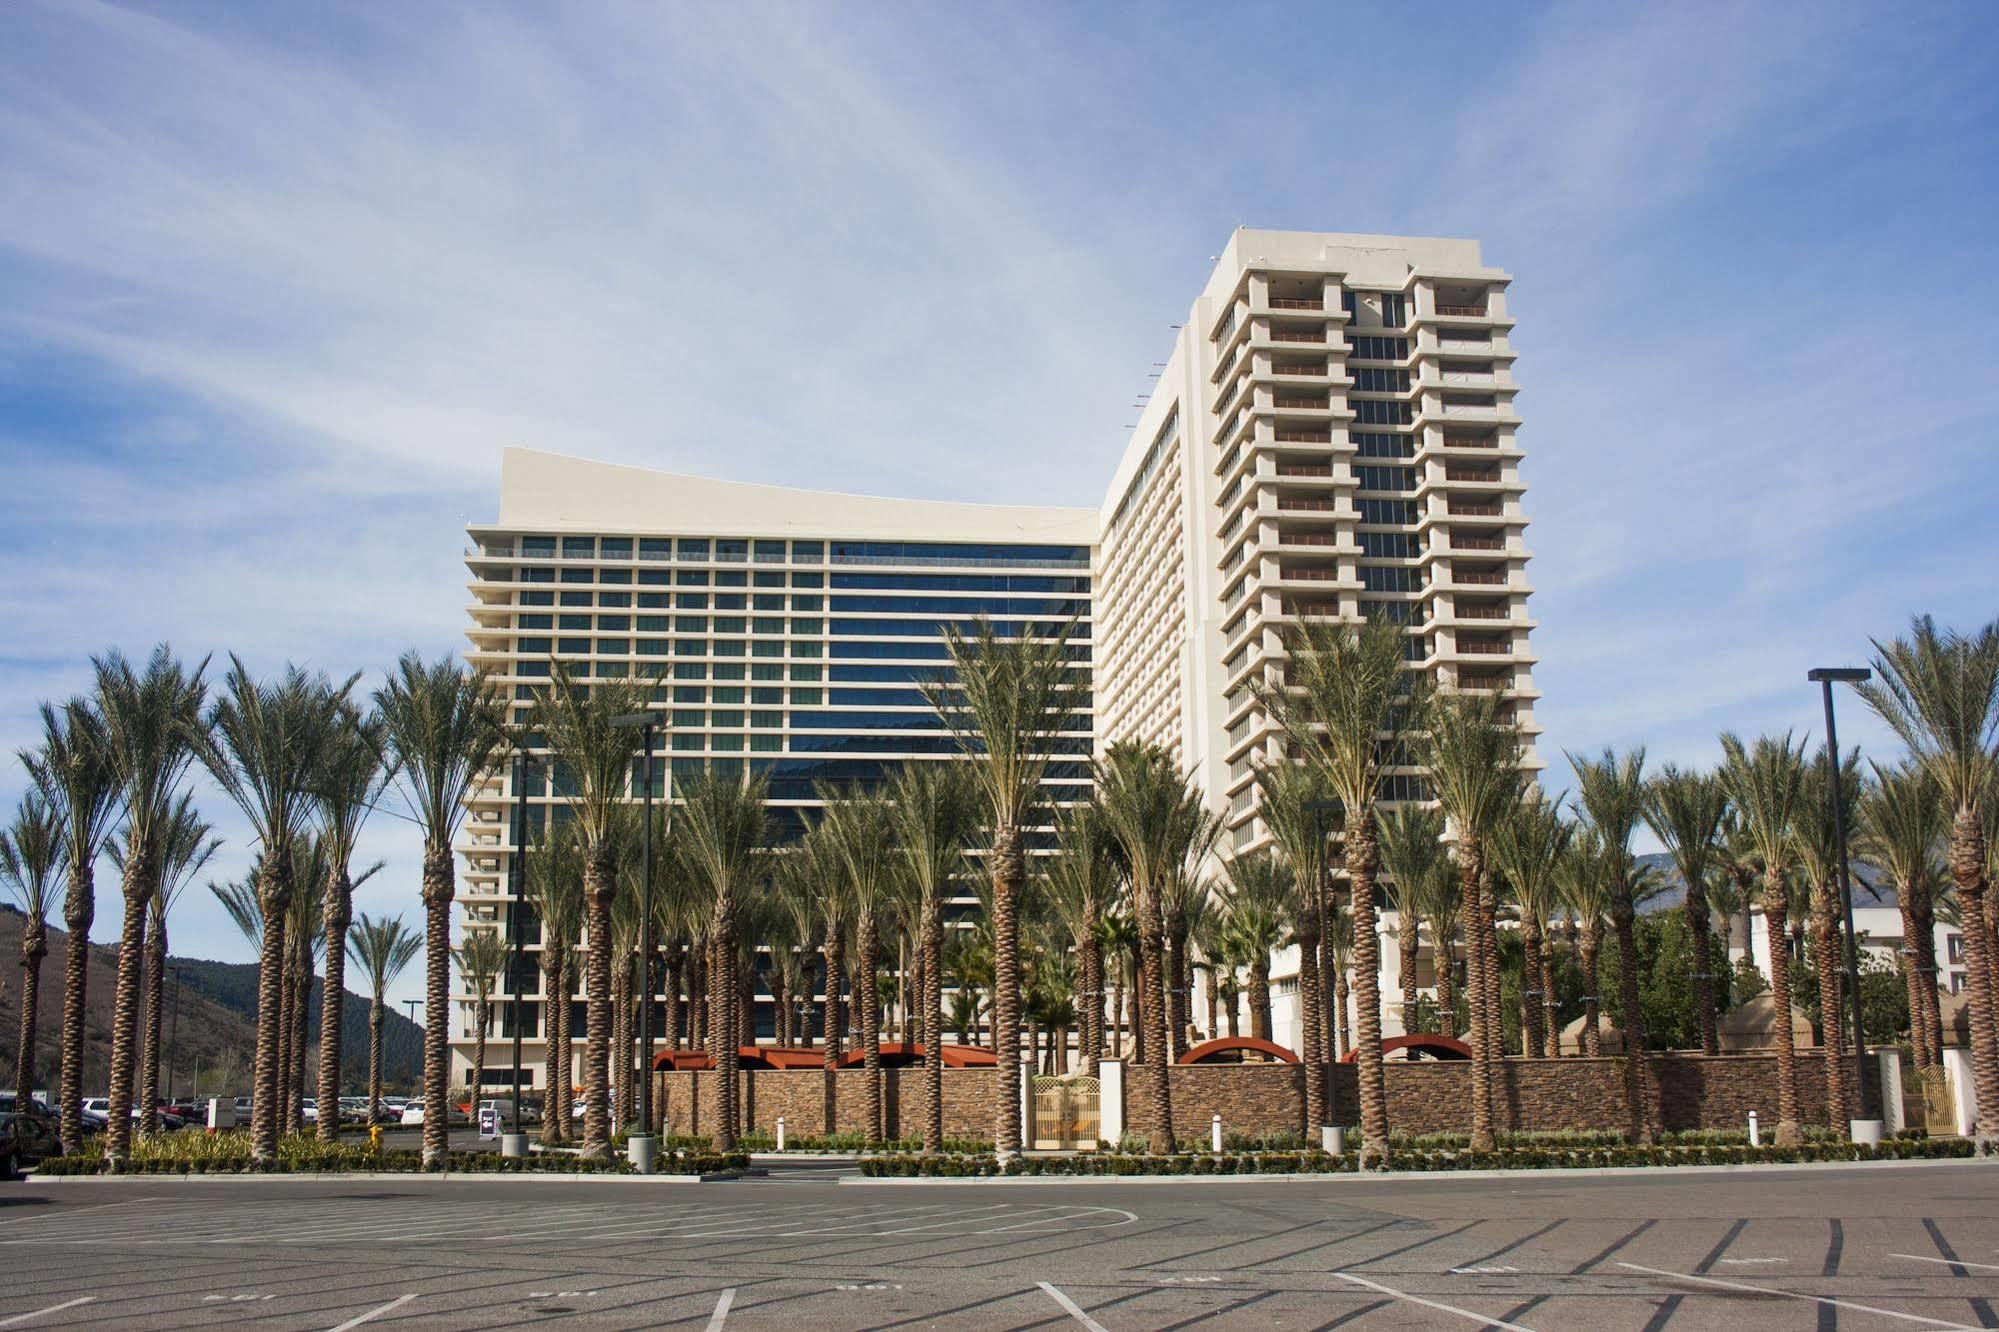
[[229, 1154], [1505, 1158]]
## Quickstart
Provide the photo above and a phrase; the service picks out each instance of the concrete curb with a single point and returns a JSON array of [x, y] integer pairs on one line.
[[1347, 1177], [386, 1176]]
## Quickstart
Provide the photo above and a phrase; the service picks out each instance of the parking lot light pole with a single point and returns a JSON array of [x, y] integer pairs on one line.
[[1826, 677], [640, 1144]]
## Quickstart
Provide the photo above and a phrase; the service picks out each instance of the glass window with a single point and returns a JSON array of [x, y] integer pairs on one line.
[[578, 548], [731, 578], [537, 598], [572, 621], [538, 547], [690, 670], [733, 552], [728, 693], [532, 645], [655, 548], [767, 601], [578, 646], [764, 670], [655, 624], [808, 580], [613, 623], [691, 577], [692, 624], [534, 621], [579, 576], [654, 577], [764, 579], [807, 552], [614, 548], [770, 552], [692, 549]]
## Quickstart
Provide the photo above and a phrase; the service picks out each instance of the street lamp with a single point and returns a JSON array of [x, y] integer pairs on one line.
[[1826, 677], [640, 1144]]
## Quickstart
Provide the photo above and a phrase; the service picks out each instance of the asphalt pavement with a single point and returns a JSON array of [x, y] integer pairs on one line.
[[1854, 1247]]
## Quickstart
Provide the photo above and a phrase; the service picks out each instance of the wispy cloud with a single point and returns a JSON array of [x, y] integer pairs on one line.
[[278, 290]]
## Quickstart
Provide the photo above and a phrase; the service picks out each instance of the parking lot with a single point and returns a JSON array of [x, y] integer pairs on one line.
[[1806, 1249]]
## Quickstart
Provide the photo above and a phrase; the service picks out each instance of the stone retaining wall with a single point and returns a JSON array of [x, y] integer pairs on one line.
[[814, 1101]]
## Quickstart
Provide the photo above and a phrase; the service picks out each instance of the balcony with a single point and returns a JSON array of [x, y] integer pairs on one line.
[[1304, 436], [1460, 541], [1301, 607], [1307, 404], [1484, 647], [1317, 336], [1480, 611], [1475, 475], [1304, 469], [1466, 311], [1297, 303], [1478, 578], [1299, 368], [1308, 573], [1473, 509], [1289, 538], [1295, 503], [1470, 441], [1484, 679]]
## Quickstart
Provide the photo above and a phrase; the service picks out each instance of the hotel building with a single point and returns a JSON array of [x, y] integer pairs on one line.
[[1332, 434]]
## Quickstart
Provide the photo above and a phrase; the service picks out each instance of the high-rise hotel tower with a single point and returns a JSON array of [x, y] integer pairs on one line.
[[1332, 435]]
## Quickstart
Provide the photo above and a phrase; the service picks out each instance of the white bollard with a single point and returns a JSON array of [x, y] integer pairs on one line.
[[1216, 1131], [1755, 1132], [780, 1132]]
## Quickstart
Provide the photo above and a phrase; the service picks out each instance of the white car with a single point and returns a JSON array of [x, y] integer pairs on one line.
[[412, 1114], [309, 1110]]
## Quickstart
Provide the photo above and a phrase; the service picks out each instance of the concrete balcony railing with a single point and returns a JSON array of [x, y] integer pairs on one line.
[[1294, 573], [1470, 441], [1470, 311], [1461, 542], [1470, 509], [1304, 436], [1471, 475], [1294, 503], [1297, 303], [1483, 648], [1297, 335], [1303, 469], [1294, 369], [1476, 578]]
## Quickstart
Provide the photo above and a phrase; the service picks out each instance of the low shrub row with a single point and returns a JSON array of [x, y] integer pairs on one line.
[[229, 1154], [1406, 1159]]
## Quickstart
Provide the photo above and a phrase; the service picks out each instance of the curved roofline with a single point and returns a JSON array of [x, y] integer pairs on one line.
[[551, 492]]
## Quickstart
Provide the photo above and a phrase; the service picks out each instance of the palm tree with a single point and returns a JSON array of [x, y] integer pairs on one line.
[[31, 863], [263, 749], [1612, 791], [1528, 845], [73, 772], [1473, 758], [440, 728], [352, 774], [1347, 705], [721, 830], [1766, 784], [383, 950], [1117, 938], [1939, 692], [1685, 809], [555, 892], [1412, 856], [1082, 886], [1440, 905], [1183, 899], [185, 851], [860, 831], [1161, 832], [934, 811], [303, 942], [1294, 801], [1818, 857], [1583, 885], [1009, 703], [481, 959], [1900, 827]]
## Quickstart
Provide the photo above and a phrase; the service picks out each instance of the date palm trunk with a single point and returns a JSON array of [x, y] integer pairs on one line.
[[1311, 1013], [483, 1016], [1776, 909], [867, 947], [1967, 870], [1826, 957], [555, 1005], [439, 887], [1551, 1027], [933, 1026], [375, 1019], [1009, 869], [1447, 985], [156, 996], [1637, 1067], [141, 877], [1259, 997], [274, 899], [620, 1058], [1588, 949], [1408, 941], [1923, 1038], [1532, 1032], [832, 950], [723, 1031], [1152, 1019], [333, 998], [1703, 950], [1342, 1034], [1363, 857], [34, 947], [1470, 870], [301, 1006], [1489, 1000], [1090, 1013], [600, 886]]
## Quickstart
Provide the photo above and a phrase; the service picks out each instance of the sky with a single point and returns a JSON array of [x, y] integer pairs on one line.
[[278, 283]]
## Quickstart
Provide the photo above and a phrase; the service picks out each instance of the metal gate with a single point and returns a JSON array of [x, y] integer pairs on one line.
[[1938, 1106], [1064, 1114]]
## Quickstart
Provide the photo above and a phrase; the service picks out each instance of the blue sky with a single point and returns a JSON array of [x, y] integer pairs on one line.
[[279, 285]]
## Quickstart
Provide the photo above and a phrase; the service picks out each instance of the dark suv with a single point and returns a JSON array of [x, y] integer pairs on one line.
[[26, 1138]]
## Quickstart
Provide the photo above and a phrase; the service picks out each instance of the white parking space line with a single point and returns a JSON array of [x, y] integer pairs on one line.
[[1377, 1287], [1792, 1294], [75, 1211], [1947, 1262], [396, 1303], [1074, 1215], [1073, 1309], [53, 1308], [721, 1314]]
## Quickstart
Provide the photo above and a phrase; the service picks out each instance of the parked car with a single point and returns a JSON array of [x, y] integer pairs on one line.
[[242, 1109], [412, 1114], [24, 1139]]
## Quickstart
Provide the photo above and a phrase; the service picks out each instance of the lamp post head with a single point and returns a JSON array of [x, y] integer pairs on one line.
[[1839, 674]]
